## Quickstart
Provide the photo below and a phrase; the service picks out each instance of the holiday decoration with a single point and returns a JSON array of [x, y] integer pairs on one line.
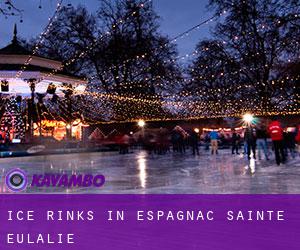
[[12, 121]]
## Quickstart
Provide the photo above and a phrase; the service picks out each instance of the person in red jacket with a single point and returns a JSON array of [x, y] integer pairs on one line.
[[276, 134], [3, 137]]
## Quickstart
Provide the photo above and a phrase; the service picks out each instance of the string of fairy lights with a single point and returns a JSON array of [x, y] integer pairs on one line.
[[41, 38], [206, 109], [196, 52], [95, 42], [48, 29], [174, 39], [88, 48], [203, 78], [99, 107]]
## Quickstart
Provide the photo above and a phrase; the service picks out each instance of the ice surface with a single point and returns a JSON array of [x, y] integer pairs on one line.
[[139, 172]]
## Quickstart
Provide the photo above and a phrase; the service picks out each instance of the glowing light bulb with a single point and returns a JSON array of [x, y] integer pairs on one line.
[[141, 123], [248, 118]]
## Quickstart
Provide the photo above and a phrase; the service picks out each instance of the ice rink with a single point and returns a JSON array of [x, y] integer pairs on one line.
[[141, 173]]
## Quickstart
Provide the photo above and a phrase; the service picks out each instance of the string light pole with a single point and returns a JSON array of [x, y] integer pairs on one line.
[[32, 84]]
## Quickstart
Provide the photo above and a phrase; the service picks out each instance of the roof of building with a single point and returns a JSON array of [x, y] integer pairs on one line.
[[14, 54], [15, 47]]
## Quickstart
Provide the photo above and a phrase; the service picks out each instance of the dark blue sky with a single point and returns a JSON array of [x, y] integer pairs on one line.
[[176, 17]]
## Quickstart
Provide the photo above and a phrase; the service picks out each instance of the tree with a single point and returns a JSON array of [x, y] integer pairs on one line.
[[250, 44], [213, 78], [121, 48], [136, 56], [8, 8], [70, 35]]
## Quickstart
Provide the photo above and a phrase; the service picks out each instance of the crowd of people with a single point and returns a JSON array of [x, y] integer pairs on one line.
[[254, 140], [284, 141]]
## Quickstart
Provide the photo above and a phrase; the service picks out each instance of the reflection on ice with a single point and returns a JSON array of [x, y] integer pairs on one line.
[[252, 165], [141, 159], [171, 173]]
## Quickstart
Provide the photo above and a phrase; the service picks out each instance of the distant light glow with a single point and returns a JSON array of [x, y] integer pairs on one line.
[[141, 123], [80, 88], [197, 130], [248, 118]]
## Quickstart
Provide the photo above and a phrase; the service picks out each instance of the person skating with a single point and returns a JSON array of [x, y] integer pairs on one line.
[[261, 136], [214, 141], [194, 140], [290, 143], [250, 139], [206, 141], [276, 134], [235, 139]]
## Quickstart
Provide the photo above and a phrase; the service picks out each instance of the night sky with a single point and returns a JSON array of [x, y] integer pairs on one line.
[[176, 17]]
